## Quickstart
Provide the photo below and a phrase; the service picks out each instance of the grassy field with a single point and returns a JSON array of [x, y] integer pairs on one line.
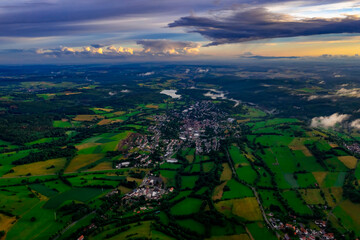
[[188, 181], [192, 225], [87, 118], [102, 166], [246, 173], [62, 124], [237, 156], [38, 168], [168, 177], [6, 160], [181, 194], [44, 190], [83, 160], [237, 190], [312, 196], [296, 203], [218, 191], [208, 166], [17, 200], [246, 208], [348, 214], [42, 140], [258, 230], [6, 222], [268, 198], [78, 194], [349, 161], [187, 206], [43, 227], [141, 230], [306, 180], [226, 173]]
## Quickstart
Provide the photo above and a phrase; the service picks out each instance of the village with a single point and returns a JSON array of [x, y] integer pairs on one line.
[[299, 231]]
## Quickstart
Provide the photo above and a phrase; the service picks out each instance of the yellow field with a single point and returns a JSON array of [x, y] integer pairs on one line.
[[227, 173], [141, 231], [84, 118], [231, 237], [352, 210], [119, 113], [104, 122], [336, 192], [152, 106], [6, 222], [124, 189], [102, 166], [190, 158], [218, 191], [108, 121], [86, 145], [333, 145], [243, 120], [312, 196], [348, 161], [104, 109], [319, 176], [38, 168], [316, 132], [297, 144], [71, 93], [247, 208], [134, 179], [82, 160]]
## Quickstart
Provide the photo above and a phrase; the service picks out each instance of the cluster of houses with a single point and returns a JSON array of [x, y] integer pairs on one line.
[[355, 148], [300, 232], [151, 188], [196, 120]]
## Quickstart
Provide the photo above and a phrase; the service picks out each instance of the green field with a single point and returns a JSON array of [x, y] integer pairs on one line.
[[259, 231], [186, 207], [78, 194], [192, 225], [188, 181], [237, 190], [296, 202]]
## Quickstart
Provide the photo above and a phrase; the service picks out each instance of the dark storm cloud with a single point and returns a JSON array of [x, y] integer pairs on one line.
[[35, 18], [259, 23], [65, 17]]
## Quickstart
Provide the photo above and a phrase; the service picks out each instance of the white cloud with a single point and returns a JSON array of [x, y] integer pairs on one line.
[[355, 124], [329, 121], [354, 92], [149, 48], [86, 50]]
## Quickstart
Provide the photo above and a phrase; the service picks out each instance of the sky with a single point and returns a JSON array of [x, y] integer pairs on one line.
[[104, 31]]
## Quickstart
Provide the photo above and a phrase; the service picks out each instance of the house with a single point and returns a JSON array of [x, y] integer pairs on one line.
[[329, 236], [81, 237], [286, 237], [172, 160]]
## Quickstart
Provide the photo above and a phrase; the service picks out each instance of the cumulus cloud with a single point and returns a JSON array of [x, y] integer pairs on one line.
[[167, 47], [342, 92], [329, 121], [353, 92], [149, 48], [355, 124], [86, 50], [259, 23]]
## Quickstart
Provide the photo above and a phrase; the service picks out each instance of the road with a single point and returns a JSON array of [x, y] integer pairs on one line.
[[71, 225], [254, 191]]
